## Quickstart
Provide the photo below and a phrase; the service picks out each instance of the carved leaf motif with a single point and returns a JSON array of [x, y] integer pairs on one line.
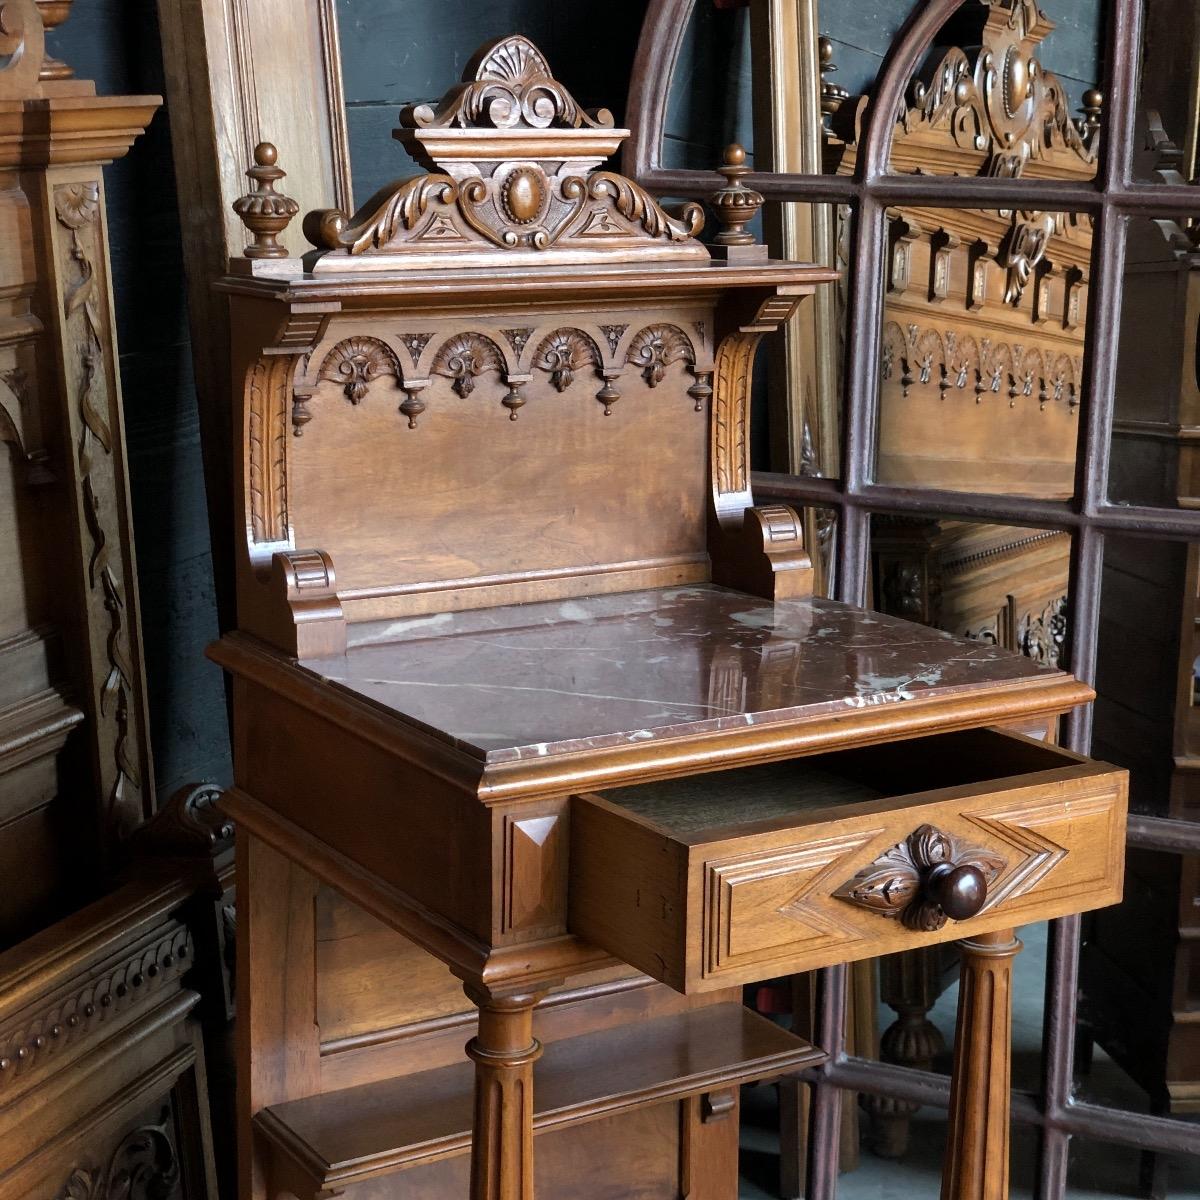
[[893, 885], [612, 335], [401, 211], [464, 357], [655, 348], [144, 1166], [731, 404], [564, 352], [356, 363], [635, 204]]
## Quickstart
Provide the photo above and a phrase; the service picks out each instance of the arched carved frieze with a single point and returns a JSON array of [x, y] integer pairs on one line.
[[464, 357], [563, 353], [653, 349], [917, 356], [357, 362]]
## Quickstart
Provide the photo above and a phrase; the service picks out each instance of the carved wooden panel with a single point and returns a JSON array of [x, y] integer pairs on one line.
[[526, 403], [762, 907]]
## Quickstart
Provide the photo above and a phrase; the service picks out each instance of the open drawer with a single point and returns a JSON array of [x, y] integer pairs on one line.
[[741, 875]]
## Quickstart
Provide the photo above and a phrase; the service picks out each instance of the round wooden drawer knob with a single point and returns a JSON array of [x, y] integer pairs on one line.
[[960, 892]]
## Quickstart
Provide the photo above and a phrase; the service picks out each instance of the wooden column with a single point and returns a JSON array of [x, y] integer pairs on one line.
[[504, 1051], [976, 1165]]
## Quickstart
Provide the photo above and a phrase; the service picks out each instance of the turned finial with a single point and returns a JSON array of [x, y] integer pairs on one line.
[[832, 94], [263, 210], [1093, 102], [735, 204]]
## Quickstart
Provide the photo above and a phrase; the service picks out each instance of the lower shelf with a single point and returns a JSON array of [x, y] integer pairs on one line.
[[346, 1137]]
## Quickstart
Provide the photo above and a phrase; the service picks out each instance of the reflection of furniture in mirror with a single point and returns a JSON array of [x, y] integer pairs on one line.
[[1140, 966], [981, 365]]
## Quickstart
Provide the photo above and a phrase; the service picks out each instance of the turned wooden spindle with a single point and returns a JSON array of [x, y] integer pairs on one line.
[[977, 1152], [832, 94], [265, 212], [504, 1051], [1093, 104]]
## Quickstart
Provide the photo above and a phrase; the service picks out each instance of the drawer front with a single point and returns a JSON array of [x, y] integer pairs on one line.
[[799, 905], [863, 876]]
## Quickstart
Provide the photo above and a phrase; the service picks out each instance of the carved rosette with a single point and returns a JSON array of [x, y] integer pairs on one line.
[[896, 884], [356, 363]]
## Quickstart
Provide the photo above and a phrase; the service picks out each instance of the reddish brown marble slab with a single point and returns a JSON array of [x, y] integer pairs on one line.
[[539, 679]]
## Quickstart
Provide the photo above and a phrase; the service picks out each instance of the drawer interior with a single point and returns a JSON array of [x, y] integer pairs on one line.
[[723, 803]]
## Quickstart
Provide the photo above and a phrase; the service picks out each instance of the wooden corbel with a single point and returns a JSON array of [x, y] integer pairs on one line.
[[296, 606], [757, 550]]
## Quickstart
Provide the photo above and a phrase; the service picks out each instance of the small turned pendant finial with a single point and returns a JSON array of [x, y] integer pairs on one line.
[[736, 205], [1093, 103], [263, 210]]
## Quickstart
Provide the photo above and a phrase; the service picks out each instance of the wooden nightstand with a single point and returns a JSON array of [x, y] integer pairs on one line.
[[567, 724]]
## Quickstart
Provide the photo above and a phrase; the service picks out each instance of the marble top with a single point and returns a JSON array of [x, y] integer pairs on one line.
[[531, 680]]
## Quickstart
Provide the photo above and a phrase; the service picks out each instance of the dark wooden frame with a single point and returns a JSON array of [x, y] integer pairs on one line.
[[1112, 198]]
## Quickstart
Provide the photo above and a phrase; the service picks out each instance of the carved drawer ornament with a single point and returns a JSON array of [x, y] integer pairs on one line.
[[538, 190], [906, 883]]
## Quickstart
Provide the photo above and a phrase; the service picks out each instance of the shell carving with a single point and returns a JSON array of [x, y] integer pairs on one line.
[[466, 356], [563, 353], [655, 348], [356, 362]]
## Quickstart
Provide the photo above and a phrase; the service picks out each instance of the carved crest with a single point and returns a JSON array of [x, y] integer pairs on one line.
[[510, 156]]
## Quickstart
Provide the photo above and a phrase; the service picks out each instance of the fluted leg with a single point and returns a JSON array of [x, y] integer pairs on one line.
[[504, 1052], [976, 1166]]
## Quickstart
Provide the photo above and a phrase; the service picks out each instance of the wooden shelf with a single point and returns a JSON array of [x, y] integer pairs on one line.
[[341, 1138]]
